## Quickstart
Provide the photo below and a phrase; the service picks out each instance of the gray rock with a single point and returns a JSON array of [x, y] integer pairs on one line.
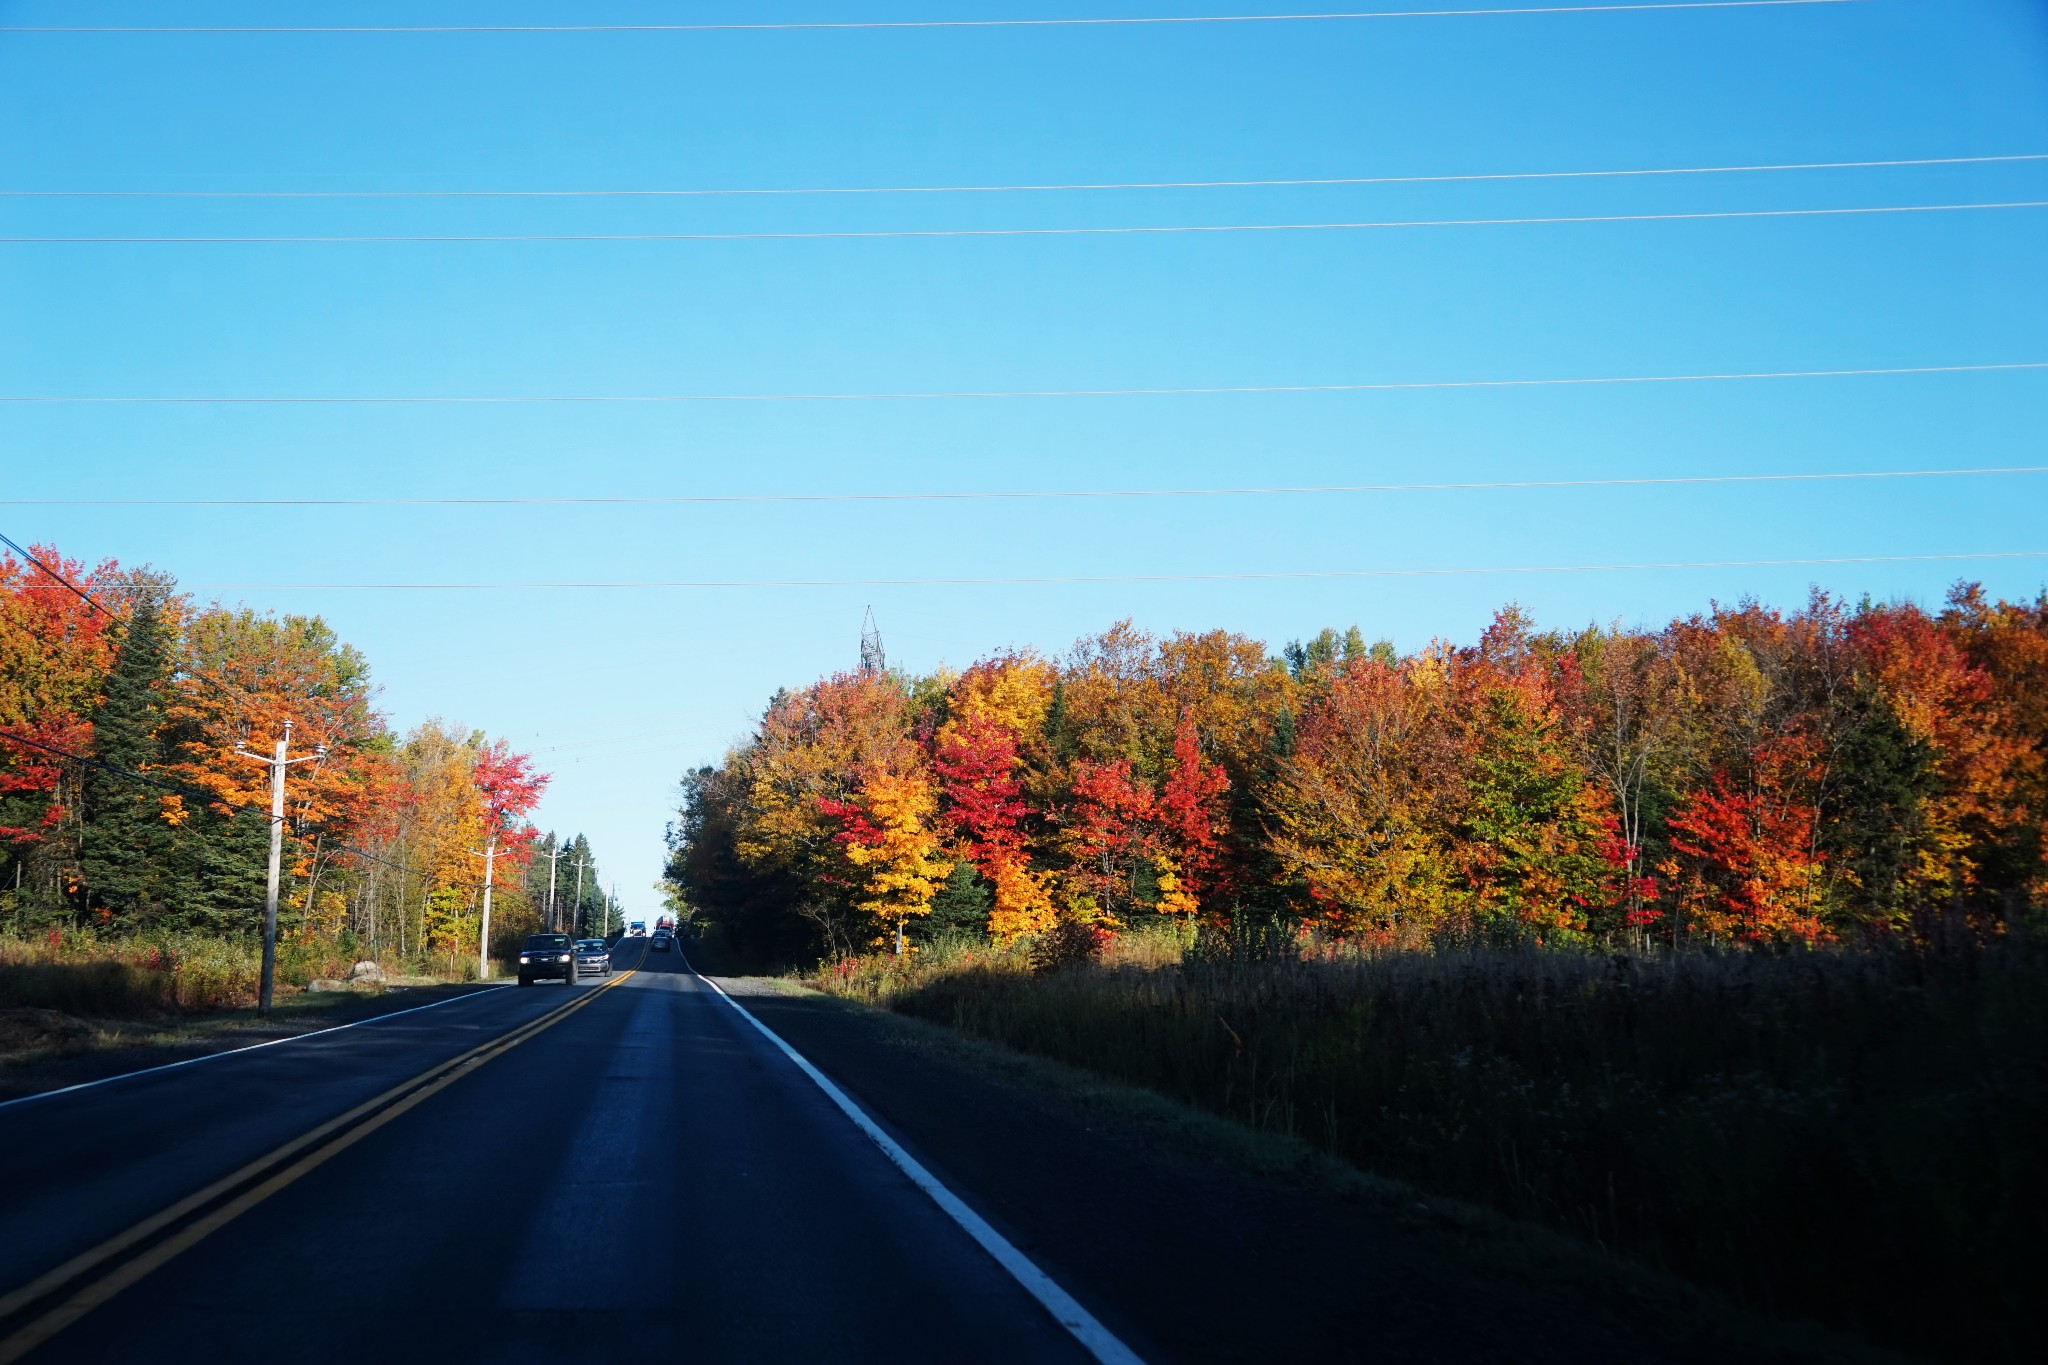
[[366, 971], [26, 1028]]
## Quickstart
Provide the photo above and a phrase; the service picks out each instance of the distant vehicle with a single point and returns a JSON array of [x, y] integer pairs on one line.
[[593, 957], [637, 929], [547, 957], [660, 942], [665, 925]]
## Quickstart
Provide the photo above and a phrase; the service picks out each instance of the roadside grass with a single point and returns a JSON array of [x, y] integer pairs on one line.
[[1681, 1317], [1849, 1137], [43, 1049], [88, 975], [64, 996]]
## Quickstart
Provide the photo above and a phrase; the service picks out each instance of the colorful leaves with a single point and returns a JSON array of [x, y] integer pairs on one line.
[[1790, 776], [889, 838]]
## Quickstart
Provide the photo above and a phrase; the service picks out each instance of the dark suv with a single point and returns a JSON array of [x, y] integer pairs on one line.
[[547, 957]]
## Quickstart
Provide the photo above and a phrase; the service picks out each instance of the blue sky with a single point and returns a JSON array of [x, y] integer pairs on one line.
[[617, 691]]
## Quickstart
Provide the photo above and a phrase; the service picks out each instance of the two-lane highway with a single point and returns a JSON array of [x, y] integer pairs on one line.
[[505, 1177]]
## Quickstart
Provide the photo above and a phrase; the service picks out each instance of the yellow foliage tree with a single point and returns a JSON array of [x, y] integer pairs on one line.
[[891, 840]]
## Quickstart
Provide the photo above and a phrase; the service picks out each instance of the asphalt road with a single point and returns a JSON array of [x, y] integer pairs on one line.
[[568, 1173], [648, 1173]]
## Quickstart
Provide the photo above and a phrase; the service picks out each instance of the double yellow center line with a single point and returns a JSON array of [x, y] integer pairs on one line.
[[271, 1172]]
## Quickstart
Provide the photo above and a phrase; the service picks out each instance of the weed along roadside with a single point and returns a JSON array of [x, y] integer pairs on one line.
[[1850, 1125], [79, 1007]]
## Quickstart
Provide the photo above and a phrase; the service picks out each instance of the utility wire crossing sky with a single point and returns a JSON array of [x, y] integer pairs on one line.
[[1137, 21], [1538, 259], [1476, 178]]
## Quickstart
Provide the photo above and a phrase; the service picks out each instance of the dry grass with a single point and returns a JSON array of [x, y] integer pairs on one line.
[[1853, 1137], [141, 978]]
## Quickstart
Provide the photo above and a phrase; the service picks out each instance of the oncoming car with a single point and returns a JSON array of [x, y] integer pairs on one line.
[[547, 957], [593, 957], [660, 942]]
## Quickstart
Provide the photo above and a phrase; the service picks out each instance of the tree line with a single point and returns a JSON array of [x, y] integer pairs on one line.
[[1743, 775], [125, 807]]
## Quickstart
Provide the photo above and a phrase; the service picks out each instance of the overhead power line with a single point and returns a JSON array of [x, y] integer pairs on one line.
[[774, 192], [1118, 22], [510, 238], [1036, 495], [1056, 579], [1372, 387], [80, 593]]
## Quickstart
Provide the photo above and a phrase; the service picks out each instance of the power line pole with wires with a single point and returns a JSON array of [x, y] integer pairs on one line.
[[277, 764], [554, 852], [577, 913], [489, 853]]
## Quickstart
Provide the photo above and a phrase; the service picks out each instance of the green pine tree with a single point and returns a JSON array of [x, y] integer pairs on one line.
[[959, 907], [225, 859], [128, 848]]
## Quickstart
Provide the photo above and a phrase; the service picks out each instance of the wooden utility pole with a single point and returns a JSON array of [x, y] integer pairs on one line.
[[579, 885], [554, 852], [489, 853], [267, 982]]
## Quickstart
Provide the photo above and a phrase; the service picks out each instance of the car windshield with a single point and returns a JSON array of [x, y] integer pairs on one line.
[[591, 945], [547, 941]]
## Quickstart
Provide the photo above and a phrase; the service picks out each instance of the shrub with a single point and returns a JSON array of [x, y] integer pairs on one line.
[[1069, 944]]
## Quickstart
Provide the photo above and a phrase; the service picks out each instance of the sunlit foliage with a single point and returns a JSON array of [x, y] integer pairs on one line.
[[1836, 773], [142, 812]]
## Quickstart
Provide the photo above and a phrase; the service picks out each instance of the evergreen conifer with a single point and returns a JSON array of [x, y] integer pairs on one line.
[[128, 846]]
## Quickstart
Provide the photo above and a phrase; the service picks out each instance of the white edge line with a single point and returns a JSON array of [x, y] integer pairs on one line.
[[1098, 1340], [236, 1051]]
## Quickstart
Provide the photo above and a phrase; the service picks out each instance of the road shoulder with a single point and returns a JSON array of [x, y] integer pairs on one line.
[[114, 1047], [1216, 1242]]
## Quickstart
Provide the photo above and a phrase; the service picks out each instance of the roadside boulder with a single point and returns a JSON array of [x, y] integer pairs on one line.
[[27, 1028], [366, 973]]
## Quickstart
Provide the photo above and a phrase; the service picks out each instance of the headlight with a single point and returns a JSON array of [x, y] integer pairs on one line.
[[524, 958], [565, 957]]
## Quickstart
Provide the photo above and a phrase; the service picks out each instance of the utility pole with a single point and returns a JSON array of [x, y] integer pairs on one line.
[[579, 888], [277, 764], [489, 853], [554, 852]]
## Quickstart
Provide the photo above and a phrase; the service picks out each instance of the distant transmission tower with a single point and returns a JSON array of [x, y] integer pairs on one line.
[[873, 663]]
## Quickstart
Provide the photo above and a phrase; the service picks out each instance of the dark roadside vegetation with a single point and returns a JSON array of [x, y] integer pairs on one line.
[[77, 1006], [1848, 1137]]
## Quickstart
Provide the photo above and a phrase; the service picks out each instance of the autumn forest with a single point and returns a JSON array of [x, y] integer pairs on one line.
[[1834, 774], [126, 810], [1715, 945]]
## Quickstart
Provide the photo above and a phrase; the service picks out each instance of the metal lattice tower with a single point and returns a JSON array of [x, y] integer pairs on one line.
[[873, 663]]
